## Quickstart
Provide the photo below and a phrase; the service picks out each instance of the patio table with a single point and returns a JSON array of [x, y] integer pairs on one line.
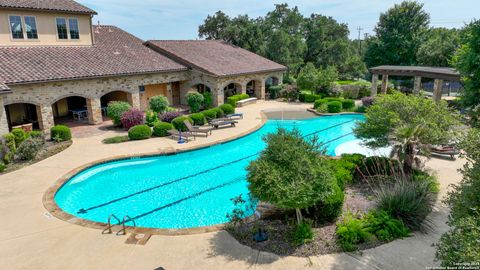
[[79, 114]]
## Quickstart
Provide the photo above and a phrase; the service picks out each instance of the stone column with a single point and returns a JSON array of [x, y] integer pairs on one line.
[[417, 85], [94, 108], [243, 88], [218, 96], [3, 118], [45, 118], [437, 89], [134, 99], [384, 83], [374, 85], [170, 93], [259, 89]]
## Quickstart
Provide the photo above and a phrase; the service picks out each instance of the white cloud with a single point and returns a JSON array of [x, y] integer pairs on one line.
[[170, 19]]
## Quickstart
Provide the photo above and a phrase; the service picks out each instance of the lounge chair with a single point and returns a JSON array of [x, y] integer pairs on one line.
[[197, 129], [235, 116], [222, 122], [185, 134], [444, 150]]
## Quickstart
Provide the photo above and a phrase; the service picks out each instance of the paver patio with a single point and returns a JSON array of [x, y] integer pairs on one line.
[[31, 239]]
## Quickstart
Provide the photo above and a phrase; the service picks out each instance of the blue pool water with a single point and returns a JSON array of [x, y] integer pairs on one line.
[[185, 190]]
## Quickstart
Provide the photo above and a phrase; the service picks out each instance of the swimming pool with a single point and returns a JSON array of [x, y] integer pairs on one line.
[[185, 190]]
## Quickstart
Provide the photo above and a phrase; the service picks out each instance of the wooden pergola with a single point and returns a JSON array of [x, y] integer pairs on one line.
[[439, 74]]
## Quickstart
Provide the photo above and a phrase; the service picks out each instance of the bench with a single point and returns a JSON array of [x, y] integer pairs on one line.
[[247, 101], [185, 134], [235, 116]]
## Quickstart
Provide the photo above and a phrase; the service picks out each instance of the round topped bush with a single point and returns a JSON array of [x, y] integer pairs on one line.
[[210, 114], [195, 101], [151, 118], [115, 110], [60, 133], [319, 102], [20, 136], [227, 108], [178, 123], [334, 106], [219, 112], [133, 117], [139, 132], [160, 129], [348, 104], [158, 104], [198, 119]]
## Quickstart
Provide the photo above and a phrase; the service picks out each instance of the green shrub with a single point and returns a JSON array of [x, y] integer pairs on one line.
[[243, 96], [195, 101], [385, 227], [158, 104], [361, 109], [310, 98], [330, 99], [20, 136], [460, 244], [356, 159], [60, 133], [376, 165], [408, 201], [219, 112], [274, 91], [198, 119], [115, 139], [352, 231], [233, 100], [35, 134], [2, 167], [227, 108], [303, 233], [334, 106], [140, 132], [209, 114], [330, 208], [29, 148], [178, 123], [348, 104], [207, 100], [9, 151], [116, 109], [319, 102], [151, 118], [323, 108], [161, 129]]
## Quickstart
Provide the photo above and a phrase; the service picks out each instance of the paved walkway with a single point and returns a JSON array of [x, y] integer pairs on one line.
[[31, 239]]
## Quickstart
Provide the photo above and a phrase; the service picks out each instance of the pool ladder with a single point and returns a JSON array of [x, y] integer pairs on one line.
[[122, 231]]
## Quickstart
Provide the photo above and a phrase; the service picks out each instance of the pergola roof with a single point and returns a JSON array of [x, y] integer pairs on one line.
[[443, 73]]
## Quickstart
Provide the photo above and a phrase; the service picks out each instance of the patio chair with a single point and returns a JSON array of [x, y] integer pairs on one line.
[[185, 134], [223, 122], [197, 129], [235, 116]]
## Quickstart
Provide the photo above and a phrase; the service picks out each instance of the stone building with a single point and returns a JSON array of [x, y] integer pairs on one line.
[[54, 64]]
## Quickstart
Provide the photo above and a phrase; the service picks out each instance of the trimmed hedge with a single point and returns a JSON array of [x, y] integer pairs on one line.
[[219, 112], [198, 119], [235, 98], [319, 102], [227, 108], [209, 114], [160, 129], [35, 134], [330, 99], [178, 123], [309, 98], [348, 104], [60, 132], [334, 106], [139, 132]]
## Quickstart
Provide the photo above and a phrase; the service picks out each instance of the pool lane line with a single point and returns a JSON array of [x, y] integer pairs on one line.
[[185, 199], [85, 210]]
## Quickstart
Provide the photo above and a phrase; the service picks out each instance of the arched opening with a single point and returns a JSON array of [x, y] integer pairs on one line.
[[70, 111], [231, 89], [202, 88], [254, 88], [23, 115], [113, 96], [272, 81]]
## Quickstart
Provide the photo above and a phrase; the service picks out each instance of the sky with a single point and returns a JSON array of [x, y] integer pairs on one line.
[[179, 19]]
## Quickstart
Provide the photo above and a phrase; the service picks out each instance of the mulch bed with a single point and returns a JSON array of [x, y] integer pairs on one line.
[[280, 225], [49, 149]]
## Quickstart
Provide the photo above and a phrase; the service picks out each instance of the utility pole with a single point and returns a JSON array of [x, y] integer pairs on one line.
[[360, 29]]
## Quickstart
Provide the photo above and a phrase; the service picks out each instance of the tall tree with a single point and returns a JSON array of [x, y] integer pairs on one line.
[[399, 34], [215, 27], [438, 47], [467, 61]]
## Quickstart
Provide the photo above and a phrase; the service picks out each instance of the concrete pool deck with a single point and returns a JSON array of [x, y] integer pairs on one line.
[[30, 238]]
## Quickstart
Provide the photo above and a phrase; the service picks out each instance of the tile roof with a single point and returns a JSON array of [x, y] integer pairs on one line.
[[214, 57], [3, 87], [115, 53], [69, 6]]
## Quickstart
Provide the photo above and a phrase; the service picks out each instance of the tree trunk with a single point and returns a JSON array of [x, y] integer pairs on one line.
[[409, 159], [299, 215]]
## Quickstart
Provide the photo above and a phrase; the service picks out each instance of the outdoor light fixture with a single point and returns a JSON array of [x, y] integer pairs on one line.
[[260, 235]]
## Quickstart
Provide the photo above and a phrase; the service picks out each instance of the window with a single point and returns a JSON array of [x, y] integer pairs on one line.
[[31, 27], [73, 26], [62, 28], [16, 27]]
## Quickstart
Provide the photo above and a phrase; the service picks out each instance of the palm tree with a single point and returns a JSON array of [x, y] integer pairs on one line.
[[406, 145]]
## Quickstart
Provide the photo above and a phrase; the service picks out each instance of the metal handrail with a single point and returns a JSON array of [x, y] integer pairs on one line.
[[123, 231], [109, 227]]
